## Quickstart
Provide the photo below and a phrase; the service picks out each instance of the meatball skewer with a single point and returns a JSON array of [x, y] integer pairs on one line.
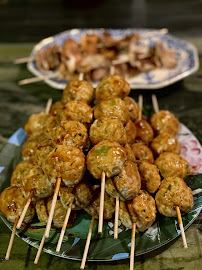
[[177, 209], [105, 159]]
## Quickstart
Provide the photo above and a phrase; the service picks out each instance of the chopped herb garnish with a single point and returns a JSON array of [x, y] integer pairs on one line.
[[169, 187], [103, 150]]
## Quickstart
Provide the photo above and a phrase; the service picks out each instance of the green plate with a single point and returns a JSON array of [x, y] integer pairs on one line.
[[103, 247]]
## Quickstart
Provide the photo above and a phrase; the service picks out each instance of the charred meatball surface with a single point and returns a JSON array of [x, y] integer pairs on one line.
[[112, 86], [18, 171], [174, 192]]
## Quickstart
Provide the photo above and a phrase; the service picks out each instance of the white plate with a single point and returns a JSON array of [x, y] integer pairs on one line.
[[186, 53]]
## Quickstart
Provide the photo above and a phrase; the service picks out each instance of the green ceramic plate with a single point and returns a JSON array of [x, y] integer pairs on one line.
[[103, 247]]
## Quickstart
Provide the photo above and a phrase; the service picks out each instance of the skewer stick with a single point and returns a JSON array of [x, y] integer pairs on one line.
[[11, 239], [81, 75], [181, 226], [24, 60], [140, 104], [48, 226], [40, 249], [64, 225], [155, 103], [162, 31], [116, 218], [88, 242], [48, 105], [132, 251], [22, 216], [38, 79], [102, 193]]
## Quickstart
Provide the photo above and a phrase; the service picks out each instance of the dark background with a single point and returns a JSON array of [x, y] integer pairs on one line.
[[32, 20]]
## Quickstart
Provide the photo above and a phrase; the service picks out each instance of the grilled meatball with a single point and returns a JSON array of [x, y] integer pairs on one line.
[[107, 128], [70, 133], [59, 214], [35, 123], [144, 131], [12, 203], [66, 195], [42, 150], [112, 107], [55, 109], [142, 152], [42, 211], [165, 142], [174, 192], [109, 206], [164, 121], [107, 156], [124, 215], [30, 146], [110, 87], [130, 132], [18, 171], [132, 108], [78, 90], [34, 180], [50, 123], [129, 153], [77, 111], [142, 210], [128, 182], [150, 177], [171, 164], [67, 162], [83, 194]]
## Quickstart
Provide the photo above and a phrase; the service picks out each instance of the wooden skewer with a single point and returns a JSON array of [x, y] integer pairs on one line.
[[162, 31], [181, 226], [64, 225], [48, 226], [24, 60], [140, 104], [116, 218], [22, 216], [38, 79], [81, 75], [88, 242], [48, 105], [102, 193], [40, 249], [11, 239], [132, 250], [155, 103]]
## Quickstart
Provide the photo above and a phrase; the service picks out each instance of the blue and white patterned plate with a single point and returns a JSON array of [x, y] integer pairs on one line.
[[186, 54]]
